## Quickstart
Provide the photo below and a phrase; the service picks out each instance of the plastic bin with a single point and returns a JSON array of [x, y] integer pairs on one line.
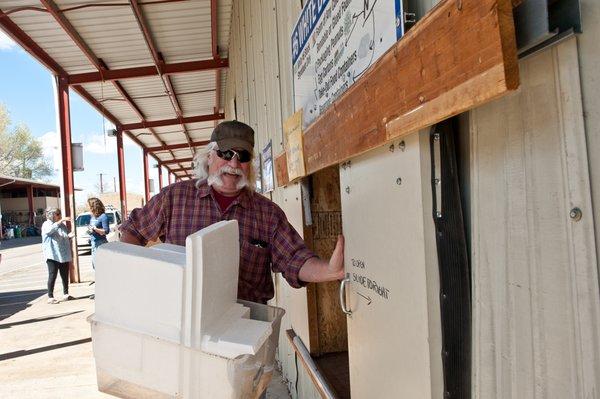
[[193, 339], [132, 365]]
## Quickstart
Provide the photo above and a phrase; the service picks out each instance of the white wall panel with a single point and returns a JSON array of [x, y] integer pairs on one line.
[[589, 56], [535, 276]]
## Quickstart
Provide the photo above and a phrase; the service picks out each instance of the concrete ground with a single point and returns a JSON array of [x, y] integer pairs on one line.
[[45, 349]]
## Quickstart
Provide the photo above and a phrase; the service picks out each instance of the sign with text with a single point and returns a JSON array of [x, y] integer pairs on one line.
[[267, 168], [294, 151], [334, 43]]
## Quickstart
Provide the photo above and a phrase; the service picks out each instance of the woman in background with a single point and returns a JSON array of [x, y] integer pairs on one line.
[[57, 251], [98, 228]]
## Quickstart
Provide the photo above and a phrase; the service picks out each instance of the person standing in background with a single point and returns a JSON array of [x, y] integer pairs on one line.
[[57, 251], [98, 228]]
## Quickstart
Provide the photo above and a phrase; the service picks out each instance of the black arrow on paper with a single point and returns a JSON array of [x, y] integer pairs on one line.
[[366, 297]]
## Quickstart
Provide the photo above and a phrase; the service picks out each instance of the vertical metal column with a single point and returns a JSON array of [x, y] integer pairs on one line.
[[30, 204], [146, 177], [121, 166], [160, 185], [169, 177], [68, 200]]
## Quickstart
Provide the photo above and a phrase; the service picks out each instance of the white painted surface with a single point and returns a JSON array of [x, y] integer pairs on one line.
[[211, 278], [128, 280], [535, 301], [589, 56], [394, 345], [189, 340]]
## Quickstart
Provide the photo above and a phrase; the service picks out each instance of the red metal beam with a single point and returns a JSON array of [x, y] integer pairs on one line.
[[64, 120], [170, 122], [150, 70], [171, 161], [213, 28], [177, 146], [146, 176], [182, 169], [158, 62], [73, 34], [30, 204], [121, 167], [160, 185], [21, 38]]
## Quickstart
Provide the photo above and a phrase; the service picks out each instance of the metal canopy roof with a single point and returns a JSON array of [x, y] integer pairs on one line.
[[155, 68]]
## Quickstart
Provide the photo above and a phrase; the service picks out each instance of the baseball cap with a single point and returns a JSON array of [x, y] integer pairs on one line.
[[233, 135]]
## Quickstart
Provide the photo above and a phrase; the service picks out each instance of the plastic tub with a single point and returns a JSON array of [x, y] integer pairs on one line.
[[132, 364]]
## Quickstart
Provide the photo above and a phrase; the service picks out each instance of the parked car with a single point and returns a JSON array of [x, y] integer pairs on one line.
[[83, 221]]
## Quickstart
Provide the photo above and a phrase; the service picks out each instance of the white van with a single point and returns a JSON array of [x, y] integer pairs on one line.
[[83, 221]]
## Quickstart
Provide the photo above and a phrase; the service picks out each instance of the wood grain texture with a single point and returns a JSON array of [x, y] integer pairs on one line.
[[459, 56]]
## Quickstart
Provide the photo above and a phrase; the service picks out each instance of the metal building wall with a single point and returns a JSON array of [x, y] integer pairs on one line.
[[589, 57], [259, 92], [536, 302]]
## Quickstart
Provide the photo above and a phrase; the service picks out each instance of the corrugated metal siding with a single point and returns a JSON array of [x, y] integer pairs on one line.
[[44, 30], [224, 12], [111, 32], [258, 92], [181, 30], [112, 100]]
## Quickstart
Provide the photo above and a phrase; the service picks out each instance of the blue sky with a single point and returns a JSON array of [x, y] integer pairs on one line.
[[26, 91]]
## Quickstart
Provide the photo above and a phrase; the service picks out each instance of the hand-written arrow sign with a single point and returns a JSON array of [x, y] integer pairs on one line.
[[366, 297]]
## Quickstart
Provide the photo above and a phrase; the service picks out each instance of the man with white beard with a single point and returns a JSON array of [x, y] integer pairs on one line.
[[223, 190]]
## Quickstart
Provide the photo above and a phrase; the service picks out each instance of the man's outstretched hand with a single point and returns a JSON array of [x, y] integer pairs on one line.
[[316, 270], [336, 262]]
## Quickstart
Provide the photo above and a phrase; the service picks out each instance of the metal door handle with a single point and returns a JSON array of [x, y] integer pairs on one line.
[[343, 296]]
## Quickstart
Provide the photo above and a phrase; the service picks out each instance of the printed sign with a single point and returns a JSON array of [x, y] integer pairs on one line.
[[267, 168], [334, 43], [294, 150]]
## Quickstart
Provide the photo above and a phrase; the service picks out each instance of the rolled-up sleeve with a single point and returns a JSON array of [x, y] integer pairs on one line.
[[288, 250], [148, 223]]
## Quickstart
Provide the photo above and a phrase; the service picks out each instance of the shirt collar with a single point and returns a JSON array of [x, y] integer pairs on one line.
[[244, 199]]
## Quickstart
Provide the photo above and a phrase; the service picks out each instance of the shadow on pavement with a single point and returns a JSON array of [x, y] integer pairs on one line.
[[13, 302], [12, 355], [37, 319], [20, 242]]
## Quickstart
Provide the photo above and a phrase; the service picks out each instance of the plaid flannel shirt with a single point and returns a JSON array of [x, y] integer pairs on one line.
[[181, 209]]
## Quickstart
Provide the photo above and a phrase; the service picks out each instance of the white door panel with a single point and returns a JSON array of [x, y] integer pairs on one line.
[[393, 285]]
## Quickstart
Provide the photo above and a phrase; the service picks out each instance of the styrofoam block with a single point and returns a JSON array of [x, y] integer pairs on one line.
[[169, 247], [140, 289], [241, 337], [210, 279]]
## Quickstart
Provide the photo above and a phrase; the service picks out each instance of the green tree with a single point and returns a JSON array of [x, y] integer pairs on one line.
[[21, 154]]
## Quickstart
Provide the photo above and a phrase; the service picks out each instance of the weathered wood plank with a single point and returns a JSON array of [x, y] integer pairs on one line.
[[460, 55]]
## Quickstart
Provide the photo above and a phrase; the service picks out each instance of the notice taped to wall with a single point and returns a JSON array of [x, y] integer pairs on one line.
[[294, 150], [334, 43]]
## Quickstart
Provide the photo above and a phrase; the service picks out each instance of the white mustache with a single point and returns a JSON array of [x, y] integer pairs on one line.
[[232, 171], [215, 178]]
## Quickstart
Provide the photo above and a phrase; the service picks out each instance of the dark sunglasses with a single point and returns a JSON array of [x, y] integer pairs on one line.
[[242, 155]]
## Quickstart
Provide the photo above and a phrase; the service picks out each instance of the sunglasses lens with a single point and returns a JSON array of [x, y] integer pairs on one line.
[[226, 155], [243, 155]]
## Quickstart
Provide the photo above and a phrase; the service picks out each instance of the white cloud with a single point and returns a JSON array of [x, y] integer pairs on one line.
[[51, 148], [6, 43], [99, 144]]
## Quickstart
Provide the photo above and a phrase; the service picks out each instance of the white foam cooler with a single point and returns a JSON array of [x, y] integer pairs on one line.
[[167, 323]]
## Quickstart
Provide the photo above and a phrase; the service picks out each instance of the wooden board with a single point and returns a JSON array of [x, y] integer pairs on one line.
[[460, 55]]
